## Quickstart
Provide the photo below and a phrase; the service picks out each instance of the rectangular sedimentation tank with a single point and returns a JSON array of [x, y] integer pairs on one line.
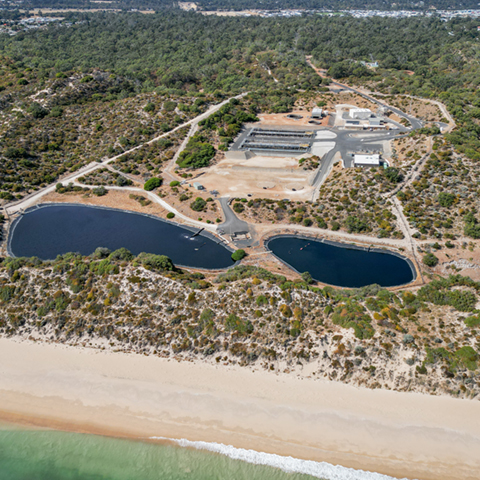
[[272, 140]]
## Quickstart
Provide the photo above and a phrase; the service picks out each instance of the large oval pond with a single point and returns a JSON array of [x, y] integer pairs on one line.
[[51, 230], [340, 265]]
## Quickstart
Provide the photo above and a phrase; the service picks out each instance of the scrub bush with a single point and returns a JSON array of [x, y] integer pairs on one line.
[[238, 255], [152, 183]]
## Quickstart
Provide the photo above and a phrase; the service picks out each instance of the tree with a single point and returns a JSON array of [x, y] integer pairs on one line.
[[197, 153], [355, 224], [156, 262], [238, 207], [238, 255], [392, 174], [198, 204], [149, 107], [472, 228], [234, 323], [446, 199], [152, 183], [37, 111], [121, 254], [100, 191], [307, 278], [101, 252], [430, 260], [335, 226], [15, 152]]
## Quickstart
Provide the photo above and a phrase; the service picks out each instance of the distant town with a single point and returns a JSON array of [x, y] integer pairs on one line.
[[444, 14]]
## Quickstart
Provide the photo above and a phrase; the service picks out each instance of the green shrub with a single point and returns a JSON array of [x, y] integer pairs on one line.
[[238, 255], [170, 215], [439, 292], [175, 183], [197, 153], [335, 226], [241, 327], [261, 300], [430, 260], [238, 207], [156, 262], [121, 254], [198, 204], [152, 183], [472, 321], [169, 106], [100, 191], [355, 224], [446, 199], [149, 107], [392, 174], [351, 314], [307, 278]]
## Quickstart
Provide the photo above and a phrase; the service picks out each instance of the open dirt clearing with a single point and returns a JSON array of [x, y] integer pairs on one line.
[[272, 177], [281, 119]]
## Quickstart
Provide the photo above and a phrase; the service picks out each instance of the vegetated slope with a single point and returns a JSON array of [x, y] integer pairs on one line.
[[54, 126], [248, 316]]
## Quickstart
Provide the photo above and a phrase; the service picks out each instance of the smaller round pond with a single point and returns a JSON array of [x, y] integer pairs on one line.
[[342, 265], [51, 230]]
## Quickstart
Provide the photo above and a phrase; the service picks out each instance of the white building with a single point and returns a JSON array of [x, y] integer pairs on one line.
[[366, 160], [317, 112], [360, 113]]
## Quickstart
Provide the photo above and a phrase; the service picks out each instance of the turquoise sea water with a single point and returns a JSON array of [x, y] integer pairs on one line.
[[53, 455]]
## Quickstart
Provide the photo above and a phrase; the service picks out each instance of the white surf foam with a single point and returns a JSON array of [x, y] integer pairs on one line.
[[287, 464]]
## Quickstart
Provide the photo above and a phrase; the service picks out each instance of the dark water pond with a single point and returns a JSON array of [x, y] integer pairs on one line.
[[341, 266], [52, 230]]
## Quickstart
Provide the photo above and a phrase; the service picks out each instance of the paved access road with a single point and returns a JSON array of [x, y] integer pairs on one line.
[[232, 223], [346, 142]]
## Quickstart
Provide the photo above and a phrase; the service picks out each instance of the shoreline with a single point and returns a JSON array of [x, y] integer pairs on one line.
[[137, 397]]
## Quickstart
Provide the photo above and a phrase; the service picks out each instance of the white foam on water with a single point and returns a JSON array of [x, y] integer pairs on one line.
[[287, 464]]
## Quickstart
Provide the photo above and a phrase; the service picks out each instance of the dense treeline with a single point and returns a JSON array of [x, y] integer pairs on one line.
[[263, 4], [177, 49]]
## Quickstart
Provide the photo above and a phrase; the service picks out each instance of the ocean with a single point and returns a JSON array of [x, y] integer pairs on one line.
[[54, 455]]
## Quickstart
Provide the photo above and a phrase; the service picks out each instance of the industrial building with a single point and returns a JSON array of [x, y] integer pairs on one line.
[[278, 141], [360, 113], [366, 160], [317, 113]]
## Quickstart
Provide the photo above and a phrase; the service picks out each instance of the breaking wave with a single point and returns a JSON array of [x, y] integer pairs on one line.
[[321, 470]]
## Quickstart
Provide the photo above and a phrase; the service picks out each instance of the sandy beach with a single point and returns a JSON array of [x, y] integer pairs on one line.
[[403, 435]]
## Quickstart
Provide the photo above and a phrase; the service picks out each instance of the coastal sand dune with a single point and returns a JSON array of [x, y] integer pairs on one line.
[[399, 434]]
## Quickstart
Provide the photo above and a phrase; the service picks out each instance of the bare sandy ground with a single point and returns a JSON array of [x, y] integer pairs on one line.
[[260, 176], [282, 119], [405, 435]]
